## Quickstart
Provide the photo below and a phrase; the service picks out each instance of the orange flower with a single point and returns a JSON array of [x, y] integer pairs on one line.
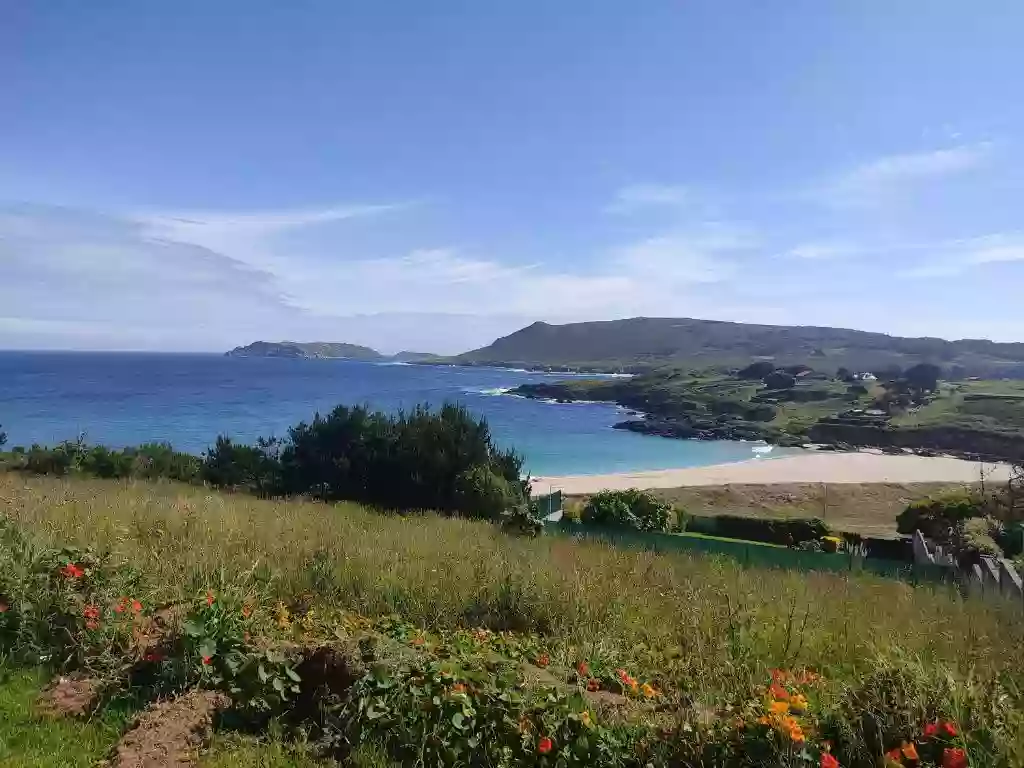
[[796, 734], [545, 745], [894, 756], [209, 598], [648, 691], [909, 751], [136, 606], [582, 669], [418, 641], [778, 692], [593, 684], [543, 660], [246, 611], [458, 688], [954, 757]]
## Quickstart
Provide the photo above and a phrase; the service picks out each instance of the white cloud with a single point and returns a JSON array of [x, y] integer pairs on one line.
[[880, 178], [637, 197], [823, 250], [959, 257]]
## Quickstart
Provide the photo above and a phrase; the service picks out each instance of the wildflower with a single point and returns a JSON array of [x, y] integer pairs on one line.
[[545, 745], [72, 571], [246, 611], [954, 757], [894, 757], [778, 692], [458, 688], [779, 675], [593, 684], [91, 612], [648, 691], [543, 660], [582, 669], [585, 719], [121, 604], [949, 729], [828, 761], [931, 730], [136, 606], [207, 660], [909, 751], [778, 707], [798, 703], [209, 598], [796, 734]]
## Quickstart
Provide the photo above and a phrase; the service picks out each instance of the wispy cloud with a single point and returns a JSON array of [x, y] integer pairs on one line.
[[637, 197], [882, 177], [824, 250], [959, 257]]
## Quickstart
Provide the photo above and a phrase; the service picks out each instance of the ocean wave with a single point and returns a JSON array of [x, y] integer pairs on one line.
[[489, 391]]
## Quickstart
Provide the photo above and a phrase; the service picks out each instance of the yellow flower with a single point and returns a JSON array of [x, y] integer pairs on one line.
[[779, 707], [585, 719], [283, 616], [798, 703], [648, 691]]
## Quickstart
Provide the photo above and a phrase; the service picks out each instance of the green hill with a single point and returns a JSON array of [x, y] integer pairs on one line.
[[646, 342]]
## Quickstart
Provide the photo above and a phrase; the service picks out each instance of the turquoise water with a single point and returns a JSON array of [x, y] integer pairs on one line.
[[187, 400]]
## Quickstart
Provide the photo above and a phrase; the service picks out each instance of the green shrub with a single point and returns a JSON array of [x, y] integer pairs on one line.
[[770, 530], [639, 510], [938, 516]]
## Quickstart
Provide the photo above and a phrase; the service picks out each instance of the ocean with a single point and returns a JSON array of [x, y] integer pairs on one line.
[[120, 399]]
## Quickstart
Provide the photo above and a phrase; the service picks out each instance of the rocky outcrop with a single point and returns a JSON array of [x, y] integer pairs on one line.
[[975, 444]]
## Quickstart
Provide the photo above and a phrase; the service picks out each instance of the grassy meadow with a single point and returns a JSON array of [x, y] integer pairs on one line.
[[705, 631]]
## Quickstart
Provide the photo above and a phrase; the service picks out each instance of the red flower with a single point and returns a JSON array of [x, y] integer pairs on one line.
[[543, 660], [91, 612], [778, 692], [593, 684], [207, 660], [582, 669], [828, 761], [122, 604], [931, 730], [545, 745], [72, 571], [895, 756], [949, 729], [153, 656], [209, 598], [954, 758], [136, 606]]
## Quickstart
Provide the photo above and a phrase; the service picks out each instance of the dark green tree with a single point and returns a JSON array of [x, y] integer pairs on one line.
[[923, 377]]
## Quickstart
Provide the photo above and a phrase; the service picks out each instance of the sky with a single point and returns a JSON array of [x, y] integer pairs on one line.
[[197, 175]]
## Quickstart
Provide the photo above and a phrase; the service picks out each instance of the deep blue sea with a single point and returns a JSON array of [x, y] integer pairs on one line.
[[122, 399]]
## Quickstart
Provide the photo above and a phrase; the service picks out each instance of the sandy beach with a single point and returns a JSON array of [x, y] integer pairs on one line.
[[861, 467]]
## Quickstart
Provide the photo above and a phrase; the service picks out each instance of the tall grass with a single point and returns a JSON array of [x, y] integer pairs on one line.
[[704, 621]]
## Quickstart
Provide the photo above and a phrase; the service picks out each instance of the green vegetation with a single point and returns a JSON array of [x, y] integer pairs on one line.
[[798, 405], [643, 343], [633, 509], [457, 644], [441, 460]]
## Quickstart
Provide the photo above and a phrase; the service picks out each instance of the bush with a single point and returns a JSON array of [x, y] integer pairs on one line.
[[756, 370], [939, 516], [770, 530], [975, 540], [779, 380], [638, 510], [256, 469]]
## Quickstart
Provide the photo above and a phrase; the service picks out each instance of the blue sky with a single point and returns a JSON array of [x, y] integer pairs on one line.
[[195, 175]]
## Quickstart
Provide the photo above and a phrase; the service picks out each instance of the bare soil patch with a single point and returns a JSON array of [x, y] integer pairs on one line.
[[169, 734], [69, 697]]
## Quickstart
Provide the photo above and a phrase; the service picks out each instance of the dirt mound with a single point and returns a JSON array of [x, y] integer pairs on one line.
[[69, 697], [170, 733]]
